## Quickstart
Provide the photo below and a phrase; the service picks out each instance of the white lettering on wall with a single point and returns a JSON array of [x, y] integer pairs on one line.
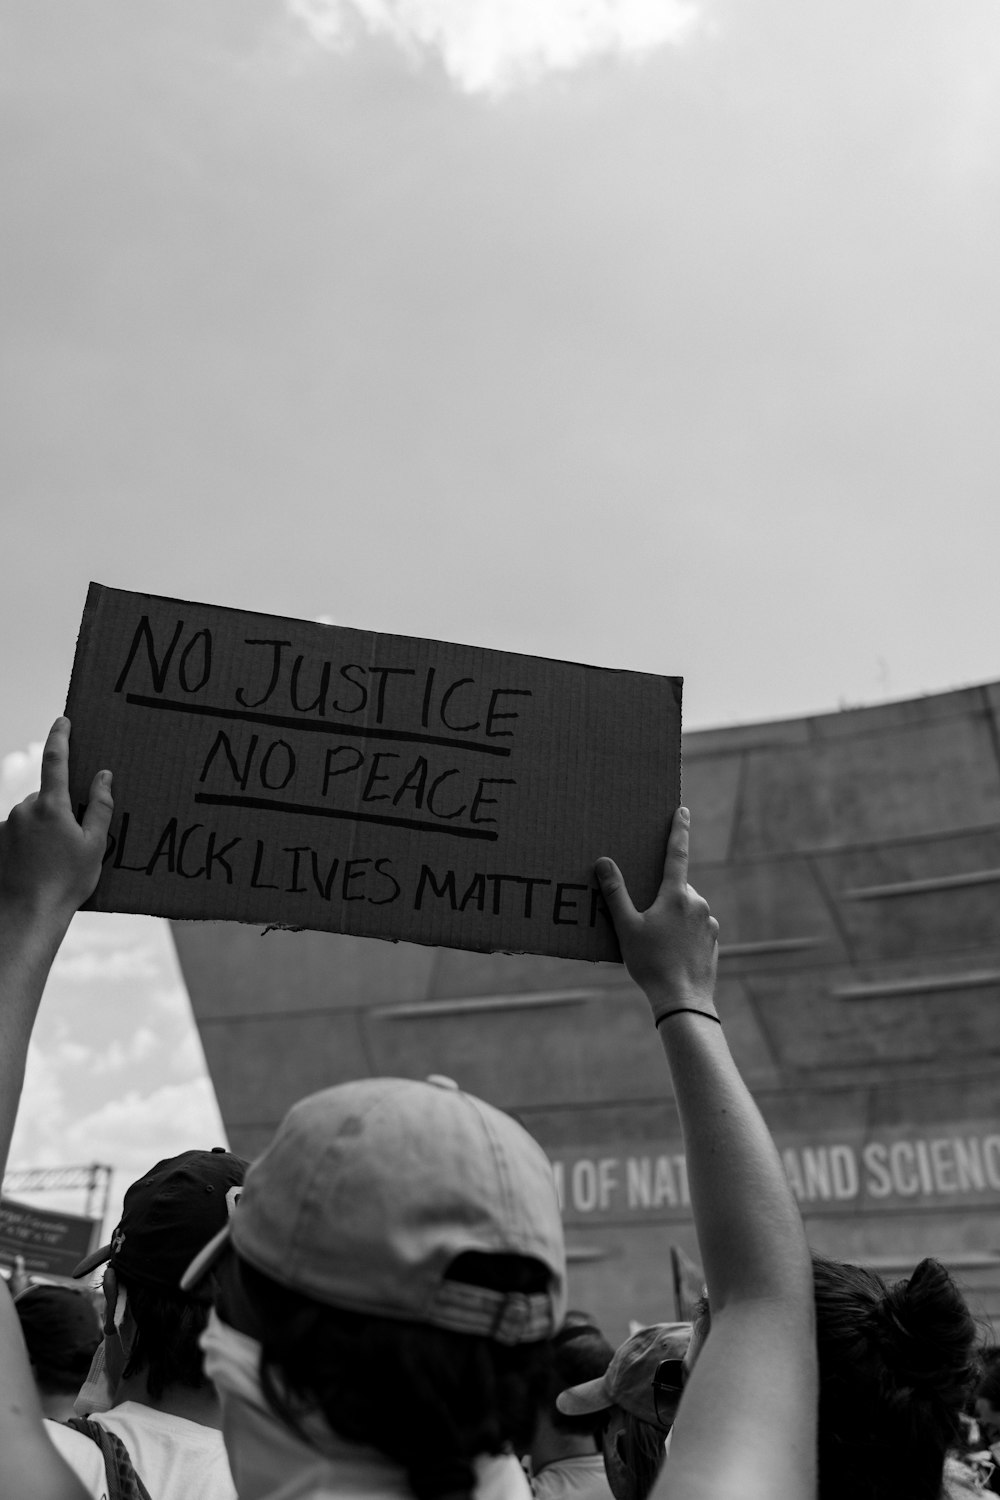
[[836, 1173], [559, 1173], [607, 1180], [584, 1180]]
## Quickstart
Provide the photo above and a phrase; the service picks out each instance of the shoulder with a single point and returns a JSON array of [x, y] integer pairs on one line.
[[82, 1454], [581, 1478], [132, 1418], [501, 1478], [176, 1458]]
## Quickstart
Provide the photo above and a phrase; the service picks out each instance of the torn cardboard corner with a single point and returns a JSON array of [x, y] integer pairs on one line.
[[287, 773]]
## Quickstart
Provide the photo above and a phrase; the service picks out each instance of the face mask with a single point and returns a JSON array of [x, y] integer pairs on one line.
[[110, 1358], [232, 1360], [271, 1462], [266, 1457]]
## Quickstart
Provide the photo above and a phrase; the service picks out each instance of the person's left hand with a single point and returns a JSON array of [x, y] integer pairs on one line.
[[50, 863]]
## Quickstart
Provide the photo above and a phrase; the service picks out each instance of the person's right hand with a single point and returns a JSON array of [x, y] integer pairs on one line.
[[672, 948], [50, 863]]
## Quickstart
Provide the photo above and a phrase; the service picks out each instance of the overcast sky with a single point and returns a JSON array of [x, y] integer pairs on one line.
[[659, 334]]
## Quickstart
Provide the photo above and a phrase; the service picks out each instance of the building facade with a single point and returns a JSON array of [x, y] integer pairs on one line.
[[853, 861]]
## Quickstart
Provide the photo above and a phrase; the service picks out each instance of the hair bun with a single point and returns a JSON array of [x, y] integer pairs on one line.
[[927, 1334], [929, 1278]]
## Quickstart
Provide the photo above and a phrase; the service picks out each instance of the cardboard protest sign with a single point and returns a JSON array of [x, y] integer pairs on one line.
[[51, 1242], [276, 771]]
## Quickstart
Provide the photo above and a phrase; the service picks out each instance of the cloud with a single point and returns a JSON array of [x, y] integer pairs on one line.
[[170, 1001], [133, 1132], [120, 963], [19, 774], [134, 1049], [113, 946], [187, 1059], [494, 46], [129, 1133], [107, 947], [72, 1054], [41, 1116], [137, 1129], [42, 1098], [119, 1053], [115, 1070]]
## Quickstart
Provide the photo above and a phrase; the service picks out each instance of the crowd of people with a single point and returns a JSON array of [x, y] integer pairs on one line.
[[376, 1307]]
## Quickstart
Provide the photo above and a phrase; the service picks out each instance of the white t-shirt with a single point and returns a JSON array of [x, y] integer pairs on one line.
[[175, 1459], [367, 1475], [580, 1478]]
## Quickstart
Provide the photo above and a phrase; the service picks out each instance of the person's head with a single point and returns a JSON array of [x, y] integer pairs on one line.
[[397, 1261], [61, 1333], [896, 1365], [637, 1397], [579, 1353], [151, 1327]]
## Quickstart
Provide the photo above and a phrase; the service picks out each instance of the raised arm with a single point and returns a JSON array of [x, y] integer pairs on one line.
[[746, 1427], [49, 864]]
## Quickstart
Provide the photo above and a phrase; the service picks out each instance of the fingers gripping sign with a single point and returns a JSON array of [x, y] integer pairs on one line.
[[50, 863], [671, 950]]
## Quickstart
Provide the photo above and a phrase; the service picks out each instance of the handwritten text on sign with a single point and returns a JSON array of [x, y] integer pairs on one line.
[[274, 770]]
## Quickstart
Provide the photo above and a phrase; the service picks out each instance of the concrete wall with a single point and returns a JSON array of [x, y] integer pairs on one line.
[[853, 860]]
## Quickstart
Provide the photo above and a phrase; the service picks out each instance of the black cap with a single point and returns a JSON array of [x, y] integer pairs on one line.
[[61, 1329], [169, 1214]]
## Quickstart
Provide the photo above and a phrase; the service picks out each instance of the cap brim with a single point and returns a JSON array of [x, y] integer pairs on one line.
[[91, 1262], [581, 1400], [205, 1260]]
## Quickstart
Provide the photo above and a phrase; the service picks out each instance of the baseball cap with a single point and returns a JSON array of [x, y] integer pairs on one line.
[[61, 1329], [168, 1214], [371, 1190], [628, 1380]]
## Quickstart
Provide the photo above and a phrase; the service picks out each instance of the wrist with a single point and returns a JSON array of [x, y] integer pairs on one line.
[[34, 924], [680, 997], [686, 1010]]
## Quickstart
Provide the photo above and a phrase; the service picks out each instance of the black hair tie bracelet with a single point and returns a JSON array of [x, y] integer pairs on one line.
[[687, 1010]]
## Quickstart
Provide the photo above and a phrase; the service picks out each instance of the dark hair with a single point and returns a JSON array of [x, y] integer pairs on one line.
[[896, 1365], [638, 1454], [63, 1379], [168, 1327], [430, 1399], [579, 1352], [61, 1332]]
